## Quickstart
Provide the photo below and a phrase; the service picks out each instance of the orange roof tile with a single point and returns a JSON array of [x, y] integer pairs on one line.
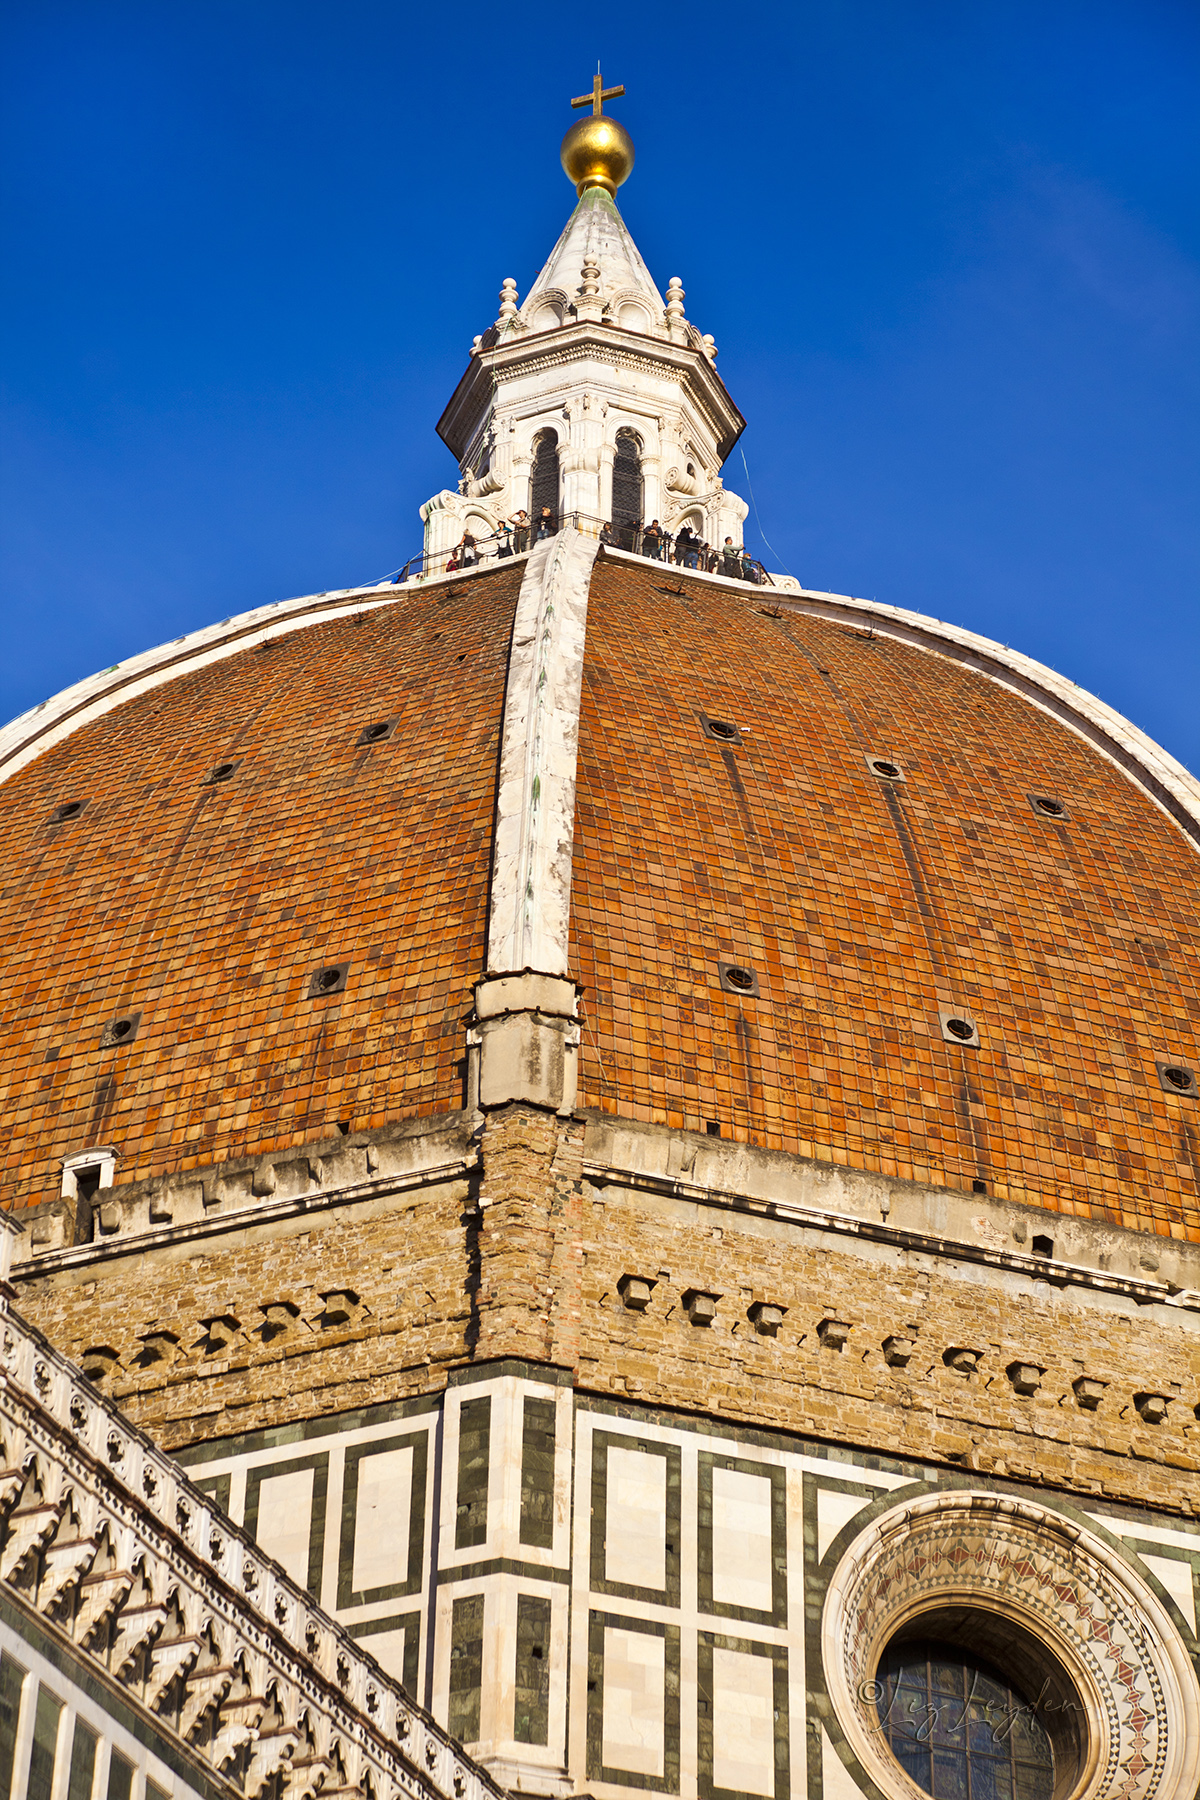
[[863, 906], [206, 906]]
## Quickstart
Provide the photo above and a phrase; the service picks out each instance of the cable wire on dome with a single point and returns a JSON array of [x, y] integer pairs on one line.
[[762, 534]]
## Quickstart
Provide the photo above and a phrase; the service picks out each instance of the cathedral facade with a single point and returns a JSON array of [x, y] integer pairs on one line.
[[603, 1171]]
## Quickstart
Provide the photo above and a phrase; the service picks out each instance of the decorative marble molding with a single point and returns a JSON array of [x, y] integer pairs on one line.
[[529, 917], [138, 1576], [1136, 1700]]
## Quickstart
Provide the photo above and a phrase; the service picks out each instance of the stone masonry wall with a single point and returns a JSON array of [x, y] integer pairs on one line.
[[887, 1351], [818, 1378], [398, 1273]]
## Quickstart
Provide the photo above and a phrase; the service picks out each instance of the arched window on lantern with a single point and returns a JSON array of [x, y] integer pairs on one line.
[[627, 493], [543, 488]]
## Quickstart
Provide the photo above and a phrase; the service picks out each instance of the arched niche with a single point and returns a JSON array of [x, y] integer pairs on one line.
[[547, 316]]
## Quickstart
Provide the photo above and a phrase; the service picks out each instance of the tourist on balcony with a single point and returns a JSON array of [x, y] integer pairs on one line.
[[520, 525], [733, 559], [683, 545], [652, 540], [547, 524], [466, 551]]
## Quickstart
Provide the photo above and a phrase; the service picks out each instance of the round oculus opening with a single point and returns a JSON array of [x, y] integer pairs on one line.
[[1053, 809], [741, 979], [889, 770], [120, 1028], [970, 1703], [960, 1028], [325, 980], [721, 728], [222, 771], [373, 733], [70, 809], [1183, 1079]]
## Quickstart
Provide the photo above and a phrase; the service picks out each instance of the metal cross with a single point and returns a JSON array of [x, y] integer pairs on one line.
[[598, 95]]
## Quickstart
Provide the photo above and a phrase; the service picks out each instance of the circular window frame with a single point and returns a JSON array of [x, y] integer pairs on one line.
[[1041, 1575]]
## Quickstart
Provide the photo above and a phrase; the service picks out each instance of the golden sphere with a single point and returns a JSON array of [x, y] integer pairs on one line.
[[597, 152]]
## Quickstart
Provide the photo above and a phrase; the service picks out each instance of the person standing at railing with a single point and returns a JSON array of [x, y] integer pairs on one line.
[[466, 551], [547, 524], [652, 540], [749, 569], [503, 539], [606, 536], [732, 558], [683, 545], [520, 525]]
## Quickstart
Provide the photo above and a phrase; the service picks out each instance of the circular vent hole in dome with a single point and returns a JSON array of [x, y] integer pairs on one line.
[[121, 1030], [1047, 807], [377, 732], [70, 809], [222, 771], [737, 979], [723, 730], [885, 768], [330, 978], [958, 1027], [1177, 1078]]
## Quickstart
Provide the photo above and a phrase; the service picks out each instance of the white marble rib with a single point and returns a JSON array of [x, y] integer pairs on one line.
[[535, 810]]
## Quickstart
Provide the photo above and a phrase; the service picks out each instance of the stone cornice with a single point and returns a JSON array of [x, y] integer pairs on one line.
[[241, 1218], [104, 1537], [543, 351], [819, 1219]]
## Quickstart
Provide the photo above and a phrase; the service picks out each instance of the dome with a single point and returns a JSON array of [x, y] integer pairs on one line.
[[1014, 864]]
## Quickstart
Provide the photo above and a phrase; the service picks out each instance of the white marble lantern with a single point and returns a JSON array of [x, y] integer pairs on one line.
[[597, 357]]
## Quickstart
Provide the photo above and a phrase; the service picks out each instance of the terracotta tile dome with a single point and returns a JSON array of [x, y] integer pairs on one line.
[[865, 909], [865, 906], [208, 905]]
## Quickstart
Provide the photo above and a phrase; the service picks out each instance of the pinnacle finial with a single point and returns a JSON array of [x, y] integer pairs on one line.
[[597, 152], [598, 95]]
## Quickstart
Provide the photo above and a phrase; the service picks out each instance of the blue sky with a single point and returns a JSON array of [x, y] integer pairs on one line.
[[949, 253]]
